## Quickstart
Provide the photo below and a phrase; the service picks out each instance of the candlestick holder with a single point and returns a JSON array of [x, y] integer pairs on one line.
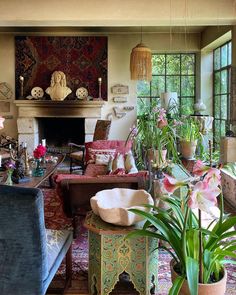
[[100, 88], [21, 78]]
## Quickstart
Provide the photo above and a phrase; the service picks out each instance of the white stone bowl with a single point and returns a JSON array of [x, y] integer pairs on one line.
[[112, 205]]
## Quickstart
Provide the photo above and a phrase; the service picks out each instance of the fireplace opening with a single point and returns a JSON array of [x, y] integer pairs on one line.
[[58, 132]]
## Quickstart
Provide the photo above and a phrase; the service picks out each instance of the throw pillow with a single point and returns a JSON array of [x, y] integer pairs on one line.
[[93, 152], [101, 159], [118, 162], [130, 166]]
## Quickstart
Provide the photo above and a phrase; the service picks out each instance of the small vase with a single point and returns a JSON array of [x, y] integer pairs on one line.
[[9, 177], [217, 288], [38, 171]]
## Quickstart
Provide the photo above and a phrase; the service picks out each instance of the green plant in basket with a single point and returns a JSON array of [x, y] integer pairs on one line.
[[199, 251]]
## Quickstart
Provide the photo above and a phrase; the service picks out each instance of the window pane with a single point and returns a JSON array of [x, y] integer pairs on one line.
[[224, 107], [143, 88], [222, 128], [217, 132], [142, 105], [224, 81], [217, 59], [187, 106], [187, 64], [173, 64], [217, 107], [161, 85], [154, 86], [188, 85], [173, 84], [229, 53], [224, 56], [217, 83], [158, 64]]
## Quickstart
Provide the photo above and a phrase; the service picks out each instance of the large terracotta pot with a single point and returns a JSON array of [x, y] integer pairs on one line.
[[217, 288], [188, 148]]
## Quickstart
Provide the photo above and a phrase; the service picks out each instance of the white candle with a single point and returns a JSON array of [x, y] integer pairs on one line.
[[21, 78], [0, 161], [43, 142], [99, 79]]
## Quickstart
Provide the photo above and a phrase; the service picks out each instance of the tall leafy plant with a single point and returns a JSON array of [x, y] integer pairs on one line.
[[199, 252]]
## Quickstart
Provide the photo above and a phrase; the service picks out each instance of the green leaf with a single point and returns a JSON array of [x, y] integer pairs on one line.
[[192, 270], [177, 284]]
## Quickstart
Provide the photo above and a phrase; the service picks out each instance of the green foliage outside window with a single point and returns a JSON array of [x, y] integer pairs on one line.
[[170, 72]]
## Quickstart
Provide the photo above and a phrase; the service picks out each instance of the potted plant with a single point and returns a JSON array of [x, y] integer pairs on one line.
[[153, 137], [199, 253], [188, 133]]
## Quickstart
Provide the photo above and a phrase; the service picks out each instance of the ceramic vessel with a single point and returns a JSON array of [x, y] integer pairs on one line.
[[217, 288], [188, 149], [113, 205]]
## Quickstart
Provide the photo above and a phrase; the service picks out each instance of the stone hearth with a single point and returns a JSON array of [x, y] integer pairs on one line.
[[30, 111]]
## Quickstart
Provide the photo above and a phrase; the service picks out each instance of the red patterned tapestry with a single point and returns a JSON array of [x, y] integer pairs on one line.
[[82, 59]]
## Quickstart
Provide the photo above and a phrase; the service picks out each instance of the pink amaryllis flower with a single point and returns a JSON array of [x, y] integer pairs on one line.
[[213, 177], [203, 196], [171, 184], [199, 168]]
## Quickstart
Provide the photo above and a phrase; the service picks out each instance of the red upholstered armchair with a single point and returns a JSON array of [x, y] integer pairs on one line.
[[102, 130]]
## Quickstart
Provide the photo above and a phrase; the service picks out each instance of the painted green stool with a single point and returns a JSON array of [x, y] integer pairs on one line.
[[110, 254]]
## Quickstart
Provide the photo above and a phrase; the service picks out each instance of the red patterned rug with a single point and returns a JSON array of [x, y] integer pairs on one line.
[[55, 219]]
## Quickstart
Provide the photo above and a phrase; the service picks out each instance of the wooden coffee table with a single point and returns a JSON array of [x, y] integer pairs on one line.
[[49, 170]]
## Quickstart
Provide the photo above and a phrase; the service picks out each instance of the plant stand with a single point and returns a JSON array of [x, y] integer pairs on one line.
[[111, 254]]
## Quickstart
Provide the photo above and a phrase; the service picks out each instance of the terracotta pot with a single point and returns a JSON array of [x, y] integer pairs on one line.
[[158, 158], [188, 148], [217, 288]]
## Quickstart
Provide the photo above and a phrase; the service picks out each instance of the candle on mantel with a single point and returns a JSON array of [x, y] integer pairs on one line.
[[44, 142], [99, 87], [0, 161], [21, 78], [99, 79]]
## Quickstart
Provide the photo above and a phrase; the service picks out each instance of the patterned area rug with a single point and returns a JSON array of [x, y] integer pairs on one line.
[[55, 219]]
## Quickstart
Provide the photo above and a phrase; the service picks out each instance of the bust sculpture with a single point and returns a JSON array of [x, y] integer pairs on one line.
[[58, 89]]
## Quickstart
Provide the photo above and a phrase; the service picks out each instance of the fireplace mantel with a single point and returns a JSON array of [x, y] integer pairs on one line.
[[66, 108]]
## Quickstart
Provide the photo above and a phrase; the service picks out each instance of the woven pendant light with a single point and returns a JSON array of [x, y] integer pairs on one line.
[[141, 63]]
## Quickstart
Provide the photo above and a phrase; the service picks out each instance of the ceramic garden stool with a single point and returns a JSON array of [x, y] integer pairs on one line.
[[111, 254]]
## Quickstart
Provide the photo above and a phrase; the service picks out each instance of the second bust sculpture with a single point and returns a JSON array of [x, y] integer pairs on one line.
[[58, 89]]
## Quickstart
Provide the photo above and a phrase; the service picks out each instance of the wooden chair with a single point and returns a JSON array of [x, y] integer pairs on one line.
[[77, 152]]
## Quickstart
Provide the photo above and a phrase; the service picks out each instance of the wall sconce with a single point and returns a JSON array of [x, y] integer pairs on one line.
[[141, 62]]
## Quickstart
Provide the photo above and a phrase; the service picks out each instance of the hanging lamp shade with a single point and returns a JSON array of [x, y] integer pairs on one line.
[[141, 63]]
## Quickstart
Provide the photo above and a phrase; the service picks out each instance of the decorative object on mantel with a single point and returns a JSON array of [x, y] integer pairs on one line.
[[120, 99], [37, 92], [141, 62], [21, 78], [5, 91], [100, 88], [81, 93], [58, 89], [120, 89]]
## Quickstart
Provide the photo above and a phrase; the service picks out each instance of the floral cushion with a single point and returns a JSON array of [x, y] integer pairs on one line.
[[92, 153], [121, 146]]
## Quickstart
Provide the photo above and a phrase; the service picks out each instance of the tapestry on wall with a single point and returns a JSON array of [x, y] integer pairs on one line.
[[82, 59]]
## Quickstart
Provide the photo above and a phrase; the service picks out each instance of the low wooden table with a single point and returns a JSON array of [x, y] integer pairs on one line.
[[111, 254], [37, 181]]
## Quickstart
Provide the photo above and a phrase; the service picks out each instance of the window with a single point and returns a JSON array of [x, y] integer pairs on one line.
[[170, 72], [221, 90]]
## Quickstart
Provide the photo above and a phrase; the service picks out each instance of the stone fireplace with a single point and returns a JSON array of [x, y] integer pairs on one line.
[[59, 122]]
